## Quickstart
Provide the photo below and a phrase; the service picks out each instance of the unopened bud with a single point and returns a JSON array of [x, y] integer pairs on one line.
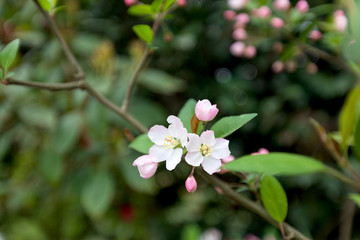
[[191, 184]]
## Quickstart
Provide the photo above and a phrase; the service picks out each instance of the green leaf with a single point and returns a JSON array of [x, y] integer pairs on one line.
[[227, 125], [161, 82], [348, 116], [51, 165], [46, 4], [141, 10], [1, 74], [67, 132], [274, 198], [276, 164], [186, 113], [97, 194], [156, 5], [168, 4], [357, 139], [8, 54], [355, 198], [144, 32], [142, 144]]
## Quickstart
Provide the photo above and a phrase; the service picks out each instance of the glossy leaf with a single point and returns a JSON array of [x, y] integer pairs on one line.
[[8, 54], [141, 10], [46, 4], [186, 113], [276, 164], [97, 194], [141, 144], [227, 125], [355, 198], [348, 115], [144, 32], [51, 165], [274, 198]]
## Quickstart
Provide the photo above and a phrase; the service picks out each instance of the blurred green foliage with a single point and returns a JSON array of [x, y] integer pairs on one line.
[[66, 169]]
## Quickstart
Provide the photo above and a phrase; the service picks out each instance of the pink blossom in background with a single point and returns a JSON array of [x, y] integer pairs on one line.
[[312, 68], [315, 35], [129, 2], [242, 19], [281, 5], [229, 14], [204, 111], [191, 184], [250, 51], [181, 3], [169, 142], [237, 49], [278, 66], [277, 22], [302, 6], [261, 151], [146, 166], [262, 12], [225, 161], [236, 4], [207, 151], [340, 20], [239, 34]]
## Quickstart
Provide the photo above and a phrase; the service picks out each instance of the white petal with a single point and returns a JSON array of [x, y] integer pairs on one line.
[[174, 120], [174, 159], [157, 134], [211, 165], [208, 137], [220, 149], [194, 158], [159, 153], [194, 143]]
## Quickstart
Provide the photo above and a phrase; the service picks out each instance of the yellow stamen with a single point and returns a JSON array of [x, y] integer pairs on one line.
[[205, 150], [171, 142]]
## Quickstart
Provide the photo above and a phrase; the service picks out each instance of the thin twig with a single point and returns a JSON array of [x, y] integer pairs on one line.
[[86, 87], [250, 205], [346, 220], [342, 177], [80, 74]]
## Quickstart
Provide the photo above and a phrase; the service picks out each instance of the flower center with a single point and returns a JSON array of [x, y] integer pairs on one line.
[[205, 150], [171, 142]]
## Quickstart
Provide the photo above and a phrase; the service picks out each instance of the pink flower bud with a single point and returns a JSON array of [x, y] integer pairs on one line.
[[204, 111], [236, 4], [302, 6], [129, 2], [261, 151], [242, 19], [281, 5], [181, 3], [146, 166], [250, 51], [341, 21], [237, 49], [278, 66], [239, 34], [311, 68], [262, 12], [315, 35], [191, 184], [229, 14], [277, 22]]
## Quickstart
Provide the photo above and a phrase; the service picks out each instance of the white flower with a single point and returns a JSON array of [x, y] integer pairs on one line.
[[169, 142], [207, 151]]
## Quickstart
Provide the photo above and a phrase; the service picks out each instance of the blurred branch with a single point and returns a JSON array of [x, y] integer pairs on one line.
[[346, 220], [250, 205], [342, 177], [145, 57], [69, 55], [86, 87]]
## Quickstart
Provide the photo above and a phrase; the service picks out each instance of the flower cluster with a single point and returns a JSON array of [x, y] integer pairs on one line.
[[171, 143], [278, 17]]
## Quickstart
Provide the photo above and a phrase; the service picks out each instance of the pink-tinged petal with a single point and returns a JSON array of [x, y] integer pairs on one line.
[[146, 166], [191, 184], [175, 121], [208, 137], [261, 151], [157, 134], [159, 153], [174, 159], [194, 158], [183, 136], [204, 111], [211, 165], [221, 149], [194, 143], [228, 159]]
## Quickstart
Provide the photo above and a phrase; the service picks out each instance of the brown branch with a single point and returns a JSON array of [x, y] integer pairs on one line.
[[80, 74], [250, 205], [346, 220], [86, 87]]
